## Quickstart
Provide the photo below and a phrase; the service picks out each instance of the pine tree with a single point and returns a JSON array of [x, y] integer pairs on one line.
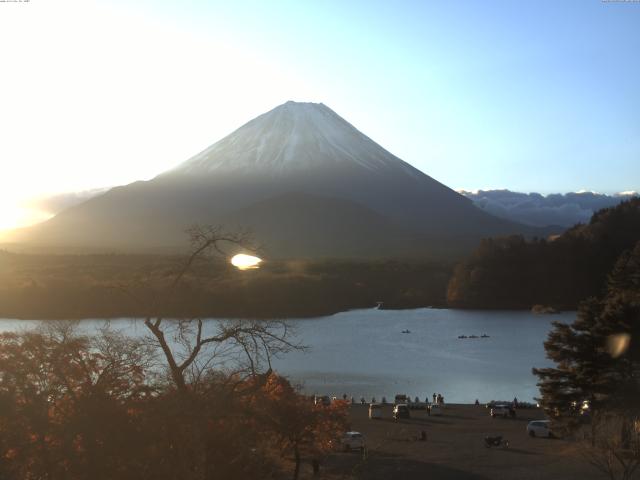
[[598, 362]]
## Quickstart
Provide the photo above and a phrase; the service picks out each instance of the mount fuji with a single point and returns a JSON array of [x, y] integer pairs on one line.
[[303, 179]]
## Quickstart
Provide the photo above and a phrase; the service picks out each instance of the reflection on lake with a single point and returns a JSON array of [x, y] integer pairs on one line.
[[365, 353]]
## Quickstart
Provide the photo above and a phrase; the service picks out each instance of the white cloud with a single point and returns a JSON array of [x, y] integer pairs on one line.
[[535, 209]]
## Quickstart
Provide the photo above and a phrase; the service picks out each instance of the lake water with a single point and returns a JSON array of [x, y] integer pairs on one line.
[[364, 353]]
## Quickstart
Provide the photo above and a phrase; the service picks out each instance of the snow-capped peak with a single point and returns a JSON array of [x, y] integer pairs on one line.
[[292, 136]]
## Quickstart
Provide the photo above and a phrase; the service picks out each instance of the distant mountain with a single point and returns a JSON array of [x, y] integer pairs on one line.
[[304, 179], [539, 210]]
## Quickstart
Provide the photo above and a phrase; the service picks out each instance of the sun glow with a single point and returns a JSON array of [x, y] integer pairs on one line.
[[245, 262], [10, 216], [16, 213]]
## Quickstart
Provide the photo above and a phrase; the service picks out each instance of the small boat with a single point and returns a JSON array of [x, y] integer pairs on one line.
[[406, 331], [462, 336], [484, 335], [378, 305], [473, 336]]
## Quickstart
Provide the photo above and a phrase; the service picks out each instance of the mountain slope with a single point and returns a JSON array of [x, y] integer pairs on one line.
[[297, 147], [306, 225]]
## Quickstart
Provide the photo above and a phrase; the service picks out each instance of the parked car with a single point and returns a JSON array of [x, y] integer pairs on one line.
[[352, 441], [500, 411], [436, 409], [400, 398], [322, 400], [540, 428], [401, 411], [375, 410]]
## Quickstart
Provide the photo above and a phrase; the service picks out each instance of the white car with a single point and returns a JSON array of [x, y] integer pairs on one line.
[[540, 428], [500, 411], [352, 441]]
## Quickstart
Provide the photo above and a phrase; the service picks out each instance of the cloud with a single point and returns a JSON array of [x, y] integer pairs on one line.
[[535, 209]]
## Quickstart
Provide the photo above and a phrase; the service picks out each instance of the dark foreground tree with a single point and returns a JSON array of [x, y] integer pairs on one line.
[[598, 366], [64, 402], [76, 408]]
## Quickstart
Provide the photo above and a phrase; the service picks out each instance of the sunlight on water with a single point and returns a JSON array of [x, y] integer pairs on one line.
[[245, 262]]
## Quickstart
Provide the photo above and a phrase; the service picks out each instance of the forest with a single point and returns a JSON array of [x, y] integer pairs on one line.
[[110, 286], [516, 273]]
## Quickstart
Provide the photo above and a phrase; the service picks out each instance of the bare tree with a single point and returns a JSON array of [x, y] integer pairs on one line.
[[190, 345], [613, 447]]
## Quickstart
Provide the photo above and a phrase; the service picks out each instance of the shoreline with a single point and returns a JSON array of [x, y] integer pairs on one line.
[[285, 318]]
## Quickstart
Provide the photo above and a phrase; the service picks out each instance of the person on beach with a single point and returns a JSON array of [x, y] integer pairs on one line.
[[434, 398], [477, 402]]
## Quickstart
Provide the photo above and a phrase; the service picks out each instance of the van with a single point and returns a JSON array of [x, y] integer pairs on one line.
[[375, 410]]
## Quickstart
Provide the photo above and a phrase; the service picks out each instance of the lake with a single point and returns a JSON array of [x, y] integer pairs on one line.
[[364, 353]]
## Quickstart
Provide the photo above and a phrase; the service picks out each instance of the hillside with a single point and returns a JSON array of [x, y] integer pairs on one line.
[[512, 272]]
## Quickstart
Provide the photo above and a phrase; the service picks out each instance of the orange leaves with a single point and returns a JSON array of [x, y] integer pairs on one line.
[[69, 410]]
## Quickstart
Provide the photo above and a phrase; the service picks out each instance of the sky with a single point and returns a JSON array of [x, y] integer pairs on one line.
[[531, 96]]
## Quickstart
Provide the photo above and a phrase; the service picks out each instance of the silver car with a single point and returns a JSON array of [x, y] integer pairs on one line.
[[540, 428], [352, 441], [500, 411]]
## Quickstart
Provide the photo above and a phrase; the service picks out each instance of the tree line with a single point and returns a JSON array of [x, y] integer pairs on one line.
[[92, 286], [516, 273]]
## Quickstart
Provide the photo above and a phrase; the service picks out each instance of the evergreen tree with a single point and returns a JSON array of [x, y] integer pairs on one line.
[[598, 361], [597, 357]]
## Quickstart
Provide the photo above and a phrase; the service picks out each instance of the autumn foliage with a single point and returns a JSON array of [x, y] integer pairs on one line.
[[73, 407]]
